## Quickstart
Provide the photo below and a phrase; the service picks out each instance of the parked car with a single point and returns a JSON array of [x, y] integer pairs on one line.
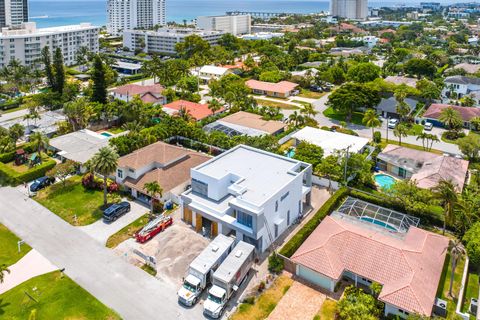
[[428, 126], [41, 183], [392, 123], [115, 211], [315, 88]]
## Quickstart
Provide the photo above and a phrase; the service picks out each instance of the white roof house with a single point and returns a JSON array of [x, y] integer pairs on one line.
[[330, 141], [213, 72], [79, 146]]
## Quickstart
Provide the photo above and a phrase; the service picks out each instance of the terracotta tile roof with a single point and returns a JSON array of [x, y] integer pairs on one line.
[[254, 121], [409, 268], [281, 87], [197, 110], [467, 113], [135, 89]]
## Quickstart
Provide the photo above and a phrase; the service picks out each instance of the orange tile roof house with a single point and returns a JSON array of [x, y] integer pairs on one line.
[[197, 111], [435, 110], [167, 164], [408, 265], [148, 93], [281, 89]]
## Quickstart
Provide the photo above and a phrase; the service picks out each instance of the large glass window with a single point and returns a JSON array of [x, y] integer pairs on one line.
[[245, 219], [199, 187]]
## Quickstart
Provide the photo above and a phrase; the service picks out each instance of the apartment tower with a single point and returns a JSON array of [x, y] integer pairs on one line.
[[13, 12], [349, 9]]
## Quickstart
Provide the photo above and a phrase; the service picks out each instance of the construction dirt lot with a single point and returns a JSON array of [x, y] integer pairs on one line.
[[174, 250]]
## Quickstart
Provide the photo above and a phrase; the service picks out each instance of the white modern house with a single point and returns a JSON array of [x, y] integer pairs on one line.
[[461, 85], [234, 24], [207, 73], [249, 193]]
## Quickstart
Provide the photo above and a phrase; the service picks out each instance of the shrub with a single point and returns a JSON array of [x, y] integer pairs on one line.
[[261, 286], [275, 263], [13, 177], [10, 156], [296, 241], [249, 300], [113, 187], [377, 137], [89, 182]]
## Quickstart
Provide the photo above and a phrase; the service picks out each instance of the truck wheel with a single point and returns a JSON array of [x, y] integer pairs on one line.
[[194, 301]]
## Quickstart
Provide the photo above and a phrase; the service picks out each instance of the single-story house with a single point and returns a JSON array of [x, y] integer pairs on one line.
[[426, 168], [468, 67], [350, 246], [388, 107], [46, 124], [432, 114], [307, 72], [282, 89], [329, 141], [398, 80], [147, 93], [79, 146], [127, 68], [161, 162], [247, 123], [207, 73], [197, 111]]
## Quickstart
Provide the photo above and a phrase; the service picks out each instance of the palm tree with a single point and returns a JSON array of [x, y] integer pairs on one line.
[[433, 138], [451, 118], [309, 111], [153, 189], [296, 118], [400, 131], [445, 192], [184, 114], [456, 252], [371, 120], [40, 141], [214, 105], [133, 126], [423, 136], [3, 269], [104, 162]]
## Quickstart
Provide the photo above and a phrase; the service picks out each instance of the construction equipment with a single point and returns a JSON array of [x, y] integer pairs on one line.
[[153, 228]]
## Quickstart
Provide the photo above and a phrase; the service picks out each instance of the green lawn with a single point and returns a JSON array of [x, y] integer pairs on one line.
[[415, 130], [305, 93], [332, 114], [442, 291], [472, 288], [269, 103], [327, 311], [71, 200], [25, 167], [57, 296], [9, 248], [407, 145], [127, 232], [116, 130]]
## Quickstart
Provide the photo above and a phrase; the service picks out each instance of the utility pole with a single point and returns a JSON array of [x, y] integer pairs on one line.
[[388, 120], [346, 165]]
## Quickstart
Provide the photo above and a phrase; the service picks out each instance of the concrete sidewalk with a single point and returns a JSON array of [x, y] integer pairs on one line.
[[31, 265]]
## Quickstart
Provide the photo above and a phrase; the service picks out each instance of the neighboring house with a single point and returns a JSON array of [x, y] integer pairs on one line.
[[207, 73], [388, 107], [330, 142], [147, 93], [461, 85], [407, 262], [432, 114], [307, 72], [346, 52], [468, 67], [196, 110], [161, 162], [46, 124], [127, 68], [247, 123], [398, 80], [79, 146], [282, 89], [369, 41], [250, 193], [426, 168]]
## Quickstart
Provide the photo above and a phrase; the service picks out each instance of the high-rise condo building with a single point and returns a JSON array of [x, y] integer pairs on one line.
[[350, 9], [133, 14], [13, 12], [234, 24]]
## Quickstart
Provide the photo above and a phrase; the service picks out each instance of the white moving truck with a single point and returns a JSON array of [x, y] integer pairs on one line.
[[228, 278], [201, 269]]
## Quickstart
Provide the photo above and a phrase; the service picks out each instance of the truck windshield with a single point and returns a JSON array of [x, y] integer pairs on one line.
[[214, 298], [190, 287]]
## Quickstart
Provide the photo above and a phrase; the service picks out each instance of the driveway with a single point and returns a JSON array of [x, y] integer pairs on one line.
[[299, 303], [128, 290], [101, 230]]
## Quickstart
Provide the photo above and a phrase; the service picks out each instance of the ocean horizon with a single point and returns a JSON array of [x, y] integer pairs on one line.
[[51, 13]]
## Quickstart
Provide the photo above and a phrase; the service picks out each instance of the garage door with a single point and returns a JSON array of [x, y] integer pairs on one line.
[[314, 277]]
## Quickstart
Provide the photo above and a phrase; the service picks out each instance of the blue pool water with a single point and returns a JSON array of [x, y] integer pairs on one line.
[[290, 153], [384, 181], [378, 223], [106, 134]]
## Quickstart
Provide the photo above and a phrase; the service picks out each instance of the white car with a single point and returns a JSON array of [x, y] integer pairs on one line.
[[392, 123], [428, 126]]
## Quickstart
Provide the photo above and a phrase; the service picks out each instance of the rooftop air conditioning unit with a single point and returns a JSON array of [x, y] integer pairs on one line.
[[440, 307], [473, 306]]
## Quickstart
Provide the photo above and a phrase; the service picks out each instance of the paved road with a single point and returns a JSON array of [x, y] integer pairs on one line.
[[320, 106], [128, 290]]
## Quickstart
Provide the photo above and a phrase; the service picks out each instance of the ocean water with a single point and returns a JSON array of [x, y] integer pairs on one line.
[[49, 13]]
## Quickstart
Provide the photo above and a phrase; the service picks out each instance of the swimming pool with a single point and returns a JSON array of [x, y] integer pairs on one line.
[[290, 153], [384, 180], [106, 134], [378, 223]]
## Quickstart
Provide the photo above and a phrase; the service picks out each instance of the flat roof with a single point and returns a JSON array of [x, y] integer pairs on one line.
[[261, 173], [330, 141], [79, 146], [210, 255], [235, 259]]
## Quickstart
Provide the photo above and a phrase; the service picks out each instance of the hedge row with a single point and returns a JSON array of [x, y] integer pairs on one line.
[[296, 241], [10, 156], [13, 177]]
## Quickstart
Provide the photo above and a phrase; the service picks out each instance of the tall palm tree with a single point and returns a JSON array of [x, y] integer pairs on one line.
[[214, 105], [432, 138], [400, 131], [105, 162], [446, 194], [456, 252], [40, 141], [184, 114], [153, 189], [3, 270], [309, 111], [371, 120], [423, 136], [296, 118]]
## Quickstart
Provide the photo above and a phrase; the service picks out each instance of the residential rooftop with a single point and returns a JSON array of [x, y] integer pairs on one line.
[[253, 121], [196, 110], [463, 80], [467, 113], [282, 86]]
